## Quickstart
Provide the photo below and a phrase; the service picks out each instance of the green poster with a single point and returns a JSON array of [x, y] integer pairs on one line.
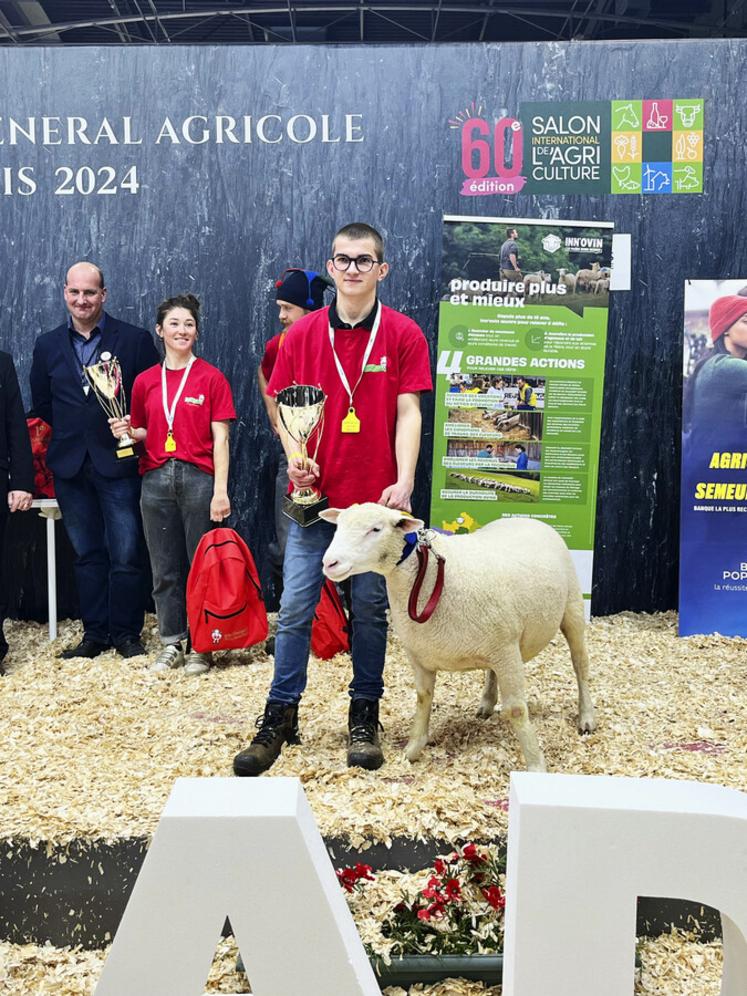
[[521, 346]]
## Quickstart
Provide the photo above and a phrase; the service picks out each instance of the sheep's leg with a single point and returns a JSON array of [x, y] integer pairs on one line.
[[425, 681], [489, 695], [510, 675], [573, 629]]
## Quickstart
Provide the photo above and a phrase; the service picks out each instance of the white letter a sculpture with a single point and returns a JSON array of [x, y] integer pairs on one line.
[[248, 849], [580, 852]]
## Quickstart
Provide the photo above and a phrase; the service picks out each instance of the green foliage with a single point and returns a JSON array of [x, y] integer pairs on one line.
[[472, 250]]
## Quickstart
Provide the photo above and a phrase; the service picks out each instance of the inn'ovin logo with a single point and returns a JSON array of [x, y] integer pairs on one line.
[[591, 147]]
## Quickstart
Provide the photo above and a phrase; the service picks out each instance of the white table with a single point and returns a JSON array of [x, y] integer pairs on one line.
[[50, 510]]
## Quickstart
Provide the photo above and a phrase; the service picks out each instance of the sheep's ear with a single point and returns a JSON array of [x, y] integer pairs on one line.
[[408, 524], [330, 514]]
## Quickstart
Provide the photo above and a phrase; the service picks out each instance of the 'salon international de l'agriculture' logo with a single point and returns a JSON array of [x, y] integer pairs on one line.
[[595, 147]]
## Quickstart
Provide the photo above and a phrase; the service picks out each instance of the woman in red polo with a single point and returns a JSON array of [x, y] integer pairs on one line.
[[180, 412]]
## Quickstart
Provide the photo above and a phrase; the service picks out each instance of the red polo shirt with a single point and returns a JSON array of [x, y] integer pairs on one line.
[[271, 354], [206, 398], [355, 467]]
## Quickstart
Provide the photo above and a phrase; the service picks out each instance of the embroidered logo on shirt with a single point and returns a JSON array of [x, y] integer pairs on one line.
[[195, 401], [379, 367]]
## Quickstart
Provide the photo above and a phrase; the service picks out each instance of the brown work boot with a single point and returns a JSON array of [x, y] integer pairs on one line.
[[364, 750], [277, 726]]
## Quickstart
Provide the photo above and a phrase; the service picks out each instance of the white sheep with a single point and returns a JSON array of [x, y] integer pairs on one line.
[[533, 281], [482, 621], [602, 285], [569, 279], [585, 278]]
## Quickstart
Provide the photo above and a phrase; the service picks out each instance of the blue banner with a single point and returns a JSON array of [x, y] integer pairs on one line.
[[713, 523]]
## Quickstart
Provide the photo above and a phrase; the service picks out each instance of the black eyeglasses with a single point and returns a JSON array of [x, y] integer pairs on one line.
[[363, 264]]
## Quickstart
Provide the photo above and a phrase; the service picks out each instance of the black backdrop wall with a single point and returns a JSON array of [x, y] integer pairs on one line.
[[223, 219]]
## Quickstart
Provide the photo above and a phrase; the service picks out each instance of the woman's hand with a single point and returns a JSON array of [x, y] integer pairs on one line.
[[220, 507], [120, 426]]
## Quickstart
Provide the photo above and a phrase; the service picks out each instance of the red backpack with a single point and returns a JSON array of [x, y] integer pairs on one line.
[[225, 607], [40, 434], [330, 628]]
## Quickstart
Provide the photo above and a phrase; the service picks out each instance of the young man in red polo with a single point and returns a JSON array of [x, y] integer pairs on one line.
[[371, 363]]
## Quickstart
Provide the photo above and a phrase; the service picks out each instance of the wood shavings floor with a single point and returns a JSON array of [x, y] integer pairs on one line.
[[673, 965], [91, 748]]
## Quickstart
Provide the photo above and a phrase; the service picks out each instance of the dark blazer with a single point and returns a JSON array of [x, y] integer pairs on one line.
[[16, 465], [79, 423]]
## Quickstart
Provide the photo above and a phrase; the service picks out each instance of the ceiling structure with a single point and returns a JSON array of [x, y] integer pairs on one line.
[[165, 22]]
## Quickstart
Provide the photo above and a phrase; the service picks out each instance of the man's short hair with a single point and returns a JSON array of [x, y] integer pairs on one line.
[[510, 232], [98, 269], [358, 230]]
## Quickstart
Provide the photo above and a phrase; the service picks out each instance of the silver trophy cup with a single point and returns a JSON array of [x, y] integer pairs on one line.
[[105, 378], [301, 410]]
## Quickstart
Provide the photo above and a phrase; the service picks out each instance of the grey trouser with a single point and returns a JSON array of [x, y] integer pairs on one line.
[[175, 504], [282, 522]]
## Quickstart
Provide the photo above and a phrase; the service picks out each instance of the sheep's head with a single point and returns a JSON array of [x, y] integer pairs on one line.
[[369, 537]]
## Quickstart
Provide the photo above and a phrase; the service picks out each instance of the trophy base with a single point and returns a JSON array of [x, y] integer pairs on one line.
[[304, 515], [126, 453]]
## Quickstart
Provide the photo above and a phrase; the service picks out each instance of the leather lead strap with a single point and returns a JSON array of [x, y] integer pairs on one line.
[[430, 606]]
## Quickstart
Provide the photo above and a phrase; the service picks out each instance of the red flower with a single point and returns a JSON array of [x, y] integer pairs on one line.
[[436, 909], [494, 897], [471, 854], [453, 890], [364, 873], [424, 915], [439, 866], [349, 877], [432, 890]]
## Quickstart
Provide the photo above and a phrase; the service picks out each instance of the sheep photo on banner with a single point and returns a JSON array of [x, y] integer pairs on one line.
[[518, 399], [713, 562]]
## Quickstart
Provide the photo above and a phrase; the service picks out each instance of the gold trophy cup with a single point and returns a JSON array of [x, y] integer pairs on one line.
[[105, 378], [301, 410]]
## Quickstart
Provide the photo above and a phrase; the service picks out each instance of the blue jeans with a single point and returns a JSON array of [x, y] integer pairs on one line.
[[176, 514], [302, 583], [101, 516]]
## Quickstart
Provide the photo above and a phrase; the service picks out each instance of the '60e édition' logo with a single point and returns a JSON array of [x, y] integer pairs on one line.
[[492, 154]]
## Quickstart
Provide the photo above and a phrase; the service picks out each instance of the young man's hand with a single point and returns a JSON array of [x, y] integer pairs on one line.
[[397, 496], [301, 473]]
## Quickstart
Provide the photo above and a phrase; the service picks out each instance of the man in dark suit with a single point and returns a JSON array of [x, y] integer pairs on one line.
[[98, 493], [16, 466]]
